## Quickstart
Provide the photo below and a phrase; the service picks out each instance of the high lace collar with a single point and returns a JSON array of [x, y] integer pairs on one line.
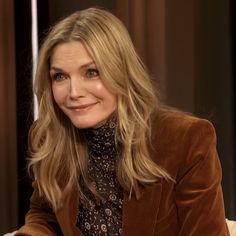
[[101, 141]]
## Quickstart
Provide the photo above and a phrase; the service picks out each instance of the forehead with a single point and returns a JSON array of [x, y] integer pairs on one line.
[[71, 51]]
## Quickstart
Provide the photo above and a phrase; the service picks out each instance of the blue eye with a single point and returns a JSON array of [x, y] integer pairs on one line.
[[59, 77], [91, 73]]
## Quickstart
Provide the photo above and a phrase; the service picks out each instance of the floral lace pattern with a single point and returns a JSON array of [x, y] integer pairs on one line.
[[104, 216]]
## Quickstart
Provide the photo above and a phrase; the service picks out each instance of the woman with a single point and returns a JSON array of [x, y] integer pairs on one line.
[[106, 158]]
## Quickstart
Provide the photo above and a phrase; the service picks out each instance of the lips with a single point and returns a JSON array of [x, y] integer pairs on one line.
[[82, 107]]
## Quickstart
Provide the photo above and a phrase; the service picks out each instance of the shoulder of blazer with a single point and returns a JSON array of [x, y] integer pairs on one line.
[[176, 132]]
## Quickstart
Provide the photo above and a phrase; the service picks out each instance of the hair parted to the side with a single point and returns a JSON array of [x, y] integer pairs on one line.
[[57, 149]]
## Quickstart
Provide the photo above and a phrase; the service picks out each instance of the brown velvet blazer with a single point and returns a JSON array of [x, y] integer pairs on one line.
[[191, 206]]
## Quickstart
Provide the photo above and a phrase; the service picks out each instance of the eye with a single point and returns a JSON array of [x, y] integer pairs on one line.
[[91, 73], [59, 77]]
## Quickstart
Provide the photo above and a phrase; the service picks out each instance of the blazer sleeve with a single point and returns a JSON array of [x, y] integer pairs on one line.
[[199, 197], [40, 219]]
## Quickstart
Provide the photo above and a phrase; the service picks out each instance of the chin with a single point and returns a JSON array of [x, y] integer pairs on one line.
[[82, 126], [86, 125]]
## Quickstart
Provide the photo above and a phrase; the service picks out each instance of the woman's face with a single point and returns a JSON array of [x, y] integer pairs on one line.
[[77, 88]]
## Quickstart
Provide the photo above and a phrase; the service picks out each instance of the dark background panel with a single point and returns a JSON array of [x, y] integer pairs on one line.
[[213, 85], [24, 99]]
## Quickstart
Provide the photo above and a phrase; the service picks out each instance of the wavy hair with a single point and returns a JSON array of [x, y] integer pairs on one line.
[[57, 148]]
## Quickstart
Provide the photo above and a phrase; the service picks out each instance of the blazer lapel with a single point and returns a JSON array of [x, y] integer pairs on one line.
[[140, 216], [67, 215]]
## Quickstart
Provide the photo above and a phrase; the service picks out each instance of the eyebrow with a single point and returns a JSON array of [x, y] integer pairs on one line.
[[86, 65]]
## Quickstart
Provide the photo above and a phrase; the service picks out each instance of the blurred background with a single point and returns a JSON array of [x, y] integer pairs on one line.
[[187, 45]]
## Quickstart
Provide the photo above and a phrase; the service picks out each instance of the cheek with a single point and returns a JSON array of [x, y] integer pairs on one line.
[[99, 88], [113, 99], [59, 94], [109, 99], [101, 91]]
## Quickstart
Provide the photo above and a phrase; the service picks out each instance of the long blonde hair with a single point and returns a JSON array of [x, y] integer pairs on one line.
[[57, 148]]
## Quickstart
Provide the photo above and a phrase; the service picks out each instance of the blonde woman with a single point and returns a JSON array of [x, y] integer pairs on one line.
[[106, 158]]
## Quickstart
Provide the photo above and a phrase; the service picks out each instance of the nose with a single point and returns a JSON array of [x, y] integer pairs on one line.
[[77, 88]]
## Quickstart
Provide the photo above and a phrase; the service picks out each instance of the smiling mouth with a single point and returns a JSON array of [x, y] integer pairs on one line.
[[83, 107]]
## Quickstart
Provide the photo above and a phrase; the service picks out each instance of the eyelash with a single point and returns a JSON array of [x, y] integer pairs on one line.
[[89, 73], [56, 75]]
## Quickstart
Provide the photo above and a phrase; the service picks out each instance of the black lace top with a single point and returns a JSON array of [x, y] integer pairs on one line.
[[103, 217]]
